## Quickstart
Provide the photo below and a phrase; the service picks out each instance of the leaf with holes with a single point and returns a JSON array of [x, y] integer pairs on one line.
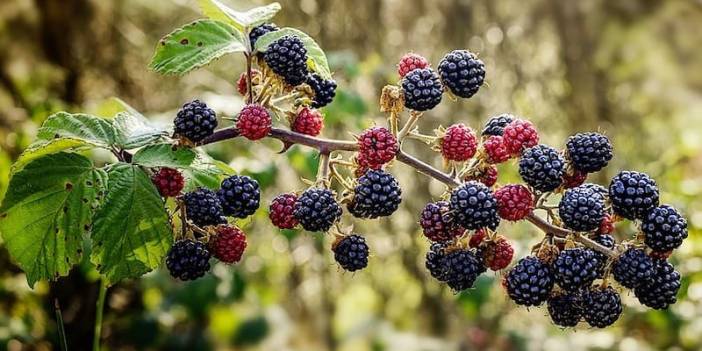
[[47, 209], [195, 45], [132, 232], [241, 20], [164, 155], [92, 129], [316, 58], [43, 148]]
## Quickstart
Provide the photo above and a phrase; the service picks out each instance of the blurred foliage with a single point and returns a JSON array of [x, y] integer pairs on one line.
[[631, 68]]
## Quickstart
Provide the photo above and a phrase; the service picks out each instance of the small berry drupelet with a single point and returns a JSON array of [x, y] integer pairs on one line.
[[474, 206], [542, 167], [324, 90], [422, 89], [228, 244], [437, 224], [242, 85], [376, 194], [519, 135], [575, 269], [259, 31], [633, 194], [514, 202], [582, 209], [665, 228], [565, 309], [573, 179], [602, 306], [203, 208], [281, 211], [351, 252], [458, 143], [589, 152], [496, 150], [317, 210], [530, 282], [287, 57], [477, 238], [496, 125], [463, 268], [308, 121], [633, 268], [240, 196], [195, 121], [168, 181], [409, 62], [435, 261], [188, 260], [497, 254], [377, 146], [662, 289], [254, 122], [462, 72]]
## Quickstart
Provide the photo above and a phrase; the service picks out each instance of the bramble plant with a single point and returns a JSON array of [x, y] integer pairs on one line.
[[164, 200]]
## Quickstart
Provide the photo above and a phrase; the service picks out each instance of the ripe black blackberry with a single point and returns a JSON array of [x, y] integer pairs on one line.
[[474, 206], [633, 268], [633, 194], [601, 306], [377, 194], [462, 72], [463, 268], [317, 210], [203, 208], [542, 167], [665, 228], [662, 289], [530, 282], [607, 241], [435, 261], [437, 223], [324, 90], [287, 57], [259, 31], [240, 196], [422, 89], [565, 309], [589, 152], [496, 125], [582, 209], [575, 269], [188, 260], [195, 121], [351, 252]]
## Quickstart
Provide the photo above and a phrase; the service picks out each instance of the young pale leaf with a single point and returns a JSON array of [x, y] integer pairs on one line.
[[134, 131], [316, 59], [132, 232], [195, 45], [41, 148], [164, 155], [218, 11], [47, 209], [92, 129]]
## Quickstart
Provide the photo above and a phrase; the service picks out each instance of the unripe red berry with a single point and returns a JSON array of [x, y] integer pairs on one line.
[[409, 62], [497, 254], [660, 255], [377, 146], [514, 202], [254, 122], [168, 181], [228, 244], [308, 121], [571, 180], [281, 211], [477, 238], [495, 149], [242, 86], [458, 143], [519, 135], [607, 225], [362, 165]]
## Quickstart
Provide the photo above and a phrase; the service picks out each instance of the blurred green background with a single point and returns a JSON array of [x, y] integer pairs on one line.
[[631, 68]]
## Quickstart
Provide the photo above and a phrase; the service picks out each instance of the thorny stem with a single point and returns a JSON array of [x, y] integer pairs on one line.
[[323, 170]]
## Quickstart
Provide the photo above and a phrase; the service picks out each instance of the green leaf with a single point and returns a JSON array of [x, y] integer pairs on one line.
[[48, 207], [92, 129], [241, 20], [114, 105], [206, 172], [41, 148], [164, 155], [195, 45], [134, 131], [132, 231], [316, 59]]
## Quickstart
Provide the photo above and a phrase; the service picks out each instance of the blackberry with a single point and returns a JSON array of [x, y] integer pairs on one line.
[[542, 167], [495, 149], [662, 290], [514, 202], [519, 135], [254, 122], [168, 181], [458, 143], [633, 268], [477, 238], [422, 89], [437, 224], [582, 209], [496, 125], [462, 72], [287, 57], [474, 206], [665, 228], [463, 268], [240, 196], [633, 194], [376, 146], [324, 90], [497, 254], [435, 261], [575, 269], [259, 31], [195, 121], [601, 306], [281, 211], [317, 210], [530, 282], [377, 194], [607, 241], [409, 62], [308, 121], [565, 309], [188, 260], [203, 208], [351, 252], [589, 152], [228, 245]]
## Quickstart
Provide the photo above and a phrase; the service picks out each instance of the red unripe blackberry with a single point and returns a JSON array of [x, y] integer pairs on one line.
[[660, 255], [409, 62], [242, 86], [601, 306], [571, 180], [514, 202], [254, 122], [607, 225], [308, 121], [497, 254], [458, 143], [362, 165], [228, 244], [437, 223], [281, 211], [487, 176], [168, 181], [519, 135], [377, 146], [477, 238], [496, 150]]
